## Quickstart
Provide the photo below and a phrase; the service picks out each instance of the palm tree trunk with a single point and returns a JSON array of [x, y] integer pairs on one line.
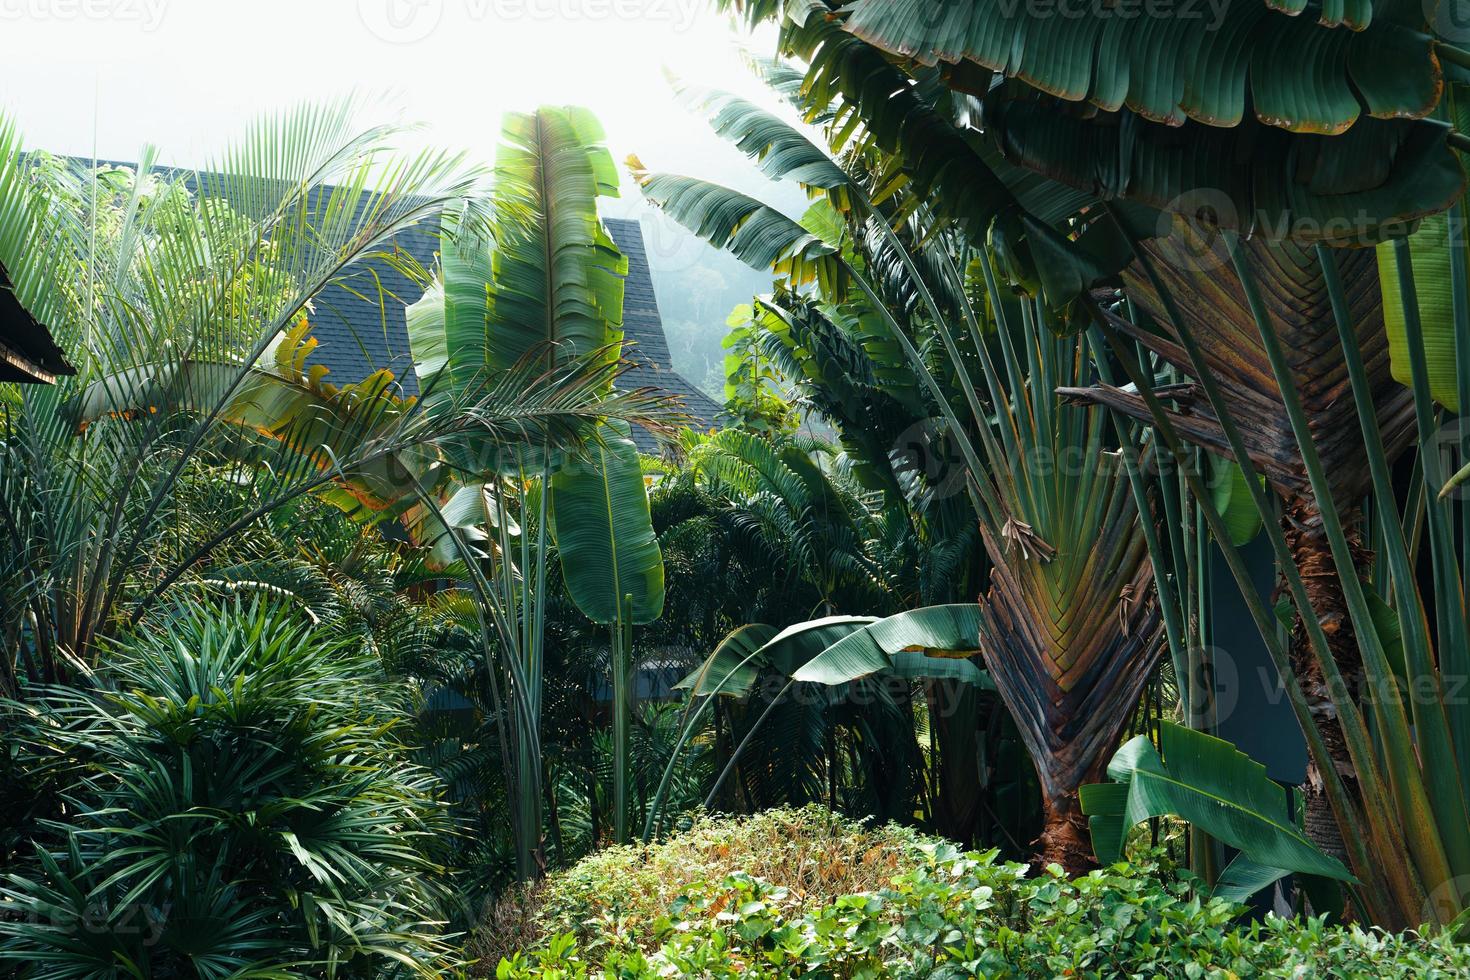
[[1065, 839], [1302, 526]]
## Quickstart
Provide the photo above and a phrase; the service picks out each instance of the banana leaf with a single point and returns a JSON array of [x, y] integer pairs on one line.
[[1232, 501], [1208, 782], [734, 666], [795, 646], [604, 531], [1432, 252], [938, 638]]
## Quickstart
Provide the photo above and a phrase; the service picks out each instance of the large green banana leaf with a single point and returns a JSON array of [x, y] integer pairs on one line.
[[755, 233], [1431, 253], [558, 279], [933, 642], [1208, 782], [782, 151], [795, 646], [548, 283], [1303, 74], [1173, 133], [734, 666], [934, 638], [604, 532]]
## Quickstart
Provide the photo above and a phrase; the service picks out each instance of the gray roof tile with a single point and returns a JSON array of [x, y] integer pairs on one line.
[[360, 327]]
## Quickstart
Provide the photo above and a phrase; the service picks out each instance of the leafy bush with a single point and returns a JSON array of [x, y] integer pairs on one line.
[[628, 890], [240, 806], [919, 908]]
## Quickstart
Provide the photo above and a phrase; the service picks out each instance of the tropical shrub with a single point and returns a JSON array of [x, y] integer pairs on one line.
[[924, 909], [239, 801], [817, 855]]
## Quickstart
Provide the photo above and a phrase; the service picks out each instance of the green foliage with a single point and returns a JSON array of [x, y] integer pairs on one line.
[[611, 564], [817, 854], [239, 802], [752, 384], [1215, 787], [922, 909]]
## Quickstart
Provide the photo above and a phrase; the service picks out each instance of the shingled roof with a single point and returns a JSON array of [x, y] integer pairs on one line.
[[645, 344], [358, 334], [27, 352]]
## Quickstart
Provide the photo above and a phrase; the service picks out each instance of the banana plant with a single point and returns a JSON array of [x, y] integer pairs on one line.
[[1201, 116], [932, 642], [1071, 632], [1206, 781], [540, 283], [613, 570]]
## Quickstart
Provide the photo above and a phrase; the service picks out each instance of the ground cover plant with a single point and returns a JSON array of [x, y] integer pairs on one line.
[[798, 892]]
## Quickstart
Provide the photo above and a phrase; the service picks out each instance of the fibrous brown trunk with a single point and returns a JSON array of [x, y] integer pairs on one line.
[[1065, 838], [1302, 527]]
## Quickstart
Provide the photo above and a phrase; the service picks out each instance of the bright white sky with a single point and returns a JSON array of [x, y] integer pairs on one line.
[[109, 75]]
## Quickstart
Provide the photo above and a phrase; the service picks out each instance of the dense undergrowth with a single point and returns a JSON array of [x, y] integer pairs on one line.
[[792, 892]]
